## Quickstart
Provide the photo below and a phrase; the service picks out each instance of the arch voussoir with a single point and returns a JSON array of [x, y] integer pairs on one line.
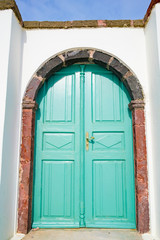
[[118, 68], [133, 86], [33, 88], [51, 66], [75, 56], [101, 58]]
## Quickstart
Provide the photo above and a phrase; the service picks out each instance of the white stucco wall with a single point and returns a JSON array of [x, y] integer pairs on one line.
[[10, 75], [5, 18], [152, 33], [128, 44], [24, 51]]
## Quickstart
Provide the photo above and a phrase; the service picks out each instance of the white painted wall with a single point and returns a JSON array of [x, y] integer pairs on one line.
[[152, 33], [21, 54], [128, 44], [5, 18], [10, 75]]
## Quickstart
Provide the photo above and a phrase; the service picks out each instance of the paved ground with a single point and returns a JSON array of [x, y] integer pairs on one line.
[[82, 234]]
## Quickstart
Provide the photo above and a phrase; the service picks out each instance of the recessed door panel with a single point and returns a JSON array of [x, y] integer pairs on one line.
[[59, 99], [58, 141], [57, 199], [108, 189], [105, 93], [106, 141]]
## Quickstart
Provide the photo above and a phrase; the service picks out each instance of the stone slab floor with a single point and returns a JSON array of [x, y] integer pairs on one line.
[[82, 234]]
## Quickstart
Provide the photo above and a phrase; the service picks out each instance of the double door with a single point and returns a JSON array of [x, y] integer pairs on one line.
[[83, 159]]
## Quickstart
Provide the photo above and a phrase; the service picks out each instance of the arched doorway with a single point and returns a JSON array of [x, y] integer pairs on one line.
[[136, 105], [84, 168]]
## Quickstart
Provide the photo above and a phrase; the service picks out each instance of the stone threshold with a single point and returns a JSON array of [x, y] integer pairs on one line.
[[83, 234], [146, 236]]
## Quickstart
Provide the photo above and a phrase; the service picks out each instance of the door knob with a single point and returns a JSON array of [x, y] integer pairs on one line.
[[88, 140]]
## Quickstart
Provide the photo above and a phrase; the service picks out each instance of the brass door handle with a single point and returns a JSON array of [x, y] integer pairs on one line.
[[87, 140]]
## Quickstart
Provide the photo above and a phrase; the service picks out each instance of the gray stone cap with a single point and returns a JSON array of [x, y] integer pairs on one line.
[[11, 4]]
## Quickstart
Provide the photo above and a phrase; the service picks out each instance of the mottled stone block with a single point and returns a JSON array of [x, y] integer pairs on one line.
[[118, 68], [141, 173], [133, 86], [101, 58], [33, 88], [51, 66], [75, 56]]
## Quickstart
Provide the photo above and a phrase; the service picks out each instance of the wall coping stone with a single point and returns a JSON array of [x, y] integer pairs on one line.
[[83, 24], [11, 4]]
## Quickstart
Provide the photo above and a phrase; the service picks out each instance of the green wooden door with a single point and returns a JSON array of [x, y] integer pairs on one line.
[[109, 177], [57, 150], [75, 186]]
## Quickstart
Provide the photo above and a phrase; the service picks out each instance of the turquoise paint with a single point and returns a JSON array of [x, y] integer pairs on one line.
[[74, 187]]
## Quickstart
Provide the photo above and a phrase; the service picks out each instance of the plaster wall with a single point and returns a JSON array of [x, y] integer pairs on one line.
[[10, 65], [24, 51], [152, 33], [5, 27]]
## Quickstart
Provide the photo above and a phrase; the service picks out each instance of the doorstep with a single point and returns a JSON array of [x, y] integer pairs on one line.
[[83, 234]]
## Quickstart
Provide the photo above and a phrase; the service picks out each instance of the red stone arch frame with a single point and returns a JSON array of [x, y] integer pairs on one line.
[[28, 122]]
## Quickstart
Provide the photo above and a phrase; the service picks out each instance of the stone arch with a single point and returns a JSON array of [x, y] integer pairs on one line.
[[28, 120], [65, 59]]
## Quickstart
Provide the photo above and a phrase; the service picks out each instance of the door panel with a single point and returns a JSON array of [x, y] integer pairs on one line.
[[57, 149], [75, 187], [108, 192], [59, 99], [105, 92], [109, 176], [57, 199], [108, 141]]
